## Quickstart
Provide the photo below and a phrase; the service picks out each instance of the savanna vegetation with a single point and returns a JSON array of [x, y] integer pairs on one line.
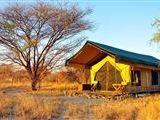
[[54, 100], [28, 106]]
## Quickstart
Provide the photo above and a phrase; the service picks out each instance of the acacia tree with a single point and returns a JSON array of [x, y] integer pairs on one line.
[[39, 37]]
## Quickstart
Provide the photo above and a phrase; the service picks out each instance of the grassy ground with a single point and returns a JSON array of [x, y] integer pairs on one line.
[[20, 103]]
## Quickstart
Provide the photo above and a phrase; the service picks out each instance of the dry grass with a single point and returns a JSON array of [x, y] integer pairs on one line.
[[20, 102], [5, 105], [117, 110], [46, 103], [146, 108], [46, 87], [61, 86], [33, 107], [8, 83], [28, 106]]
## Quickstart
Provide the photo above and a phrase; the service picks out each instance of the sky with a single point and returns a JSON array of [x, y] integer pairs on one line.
[[125, 24]]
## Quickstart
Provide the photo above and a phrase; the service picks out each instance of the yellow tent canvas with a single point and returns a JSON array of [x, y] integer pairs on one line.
[[123, 68]]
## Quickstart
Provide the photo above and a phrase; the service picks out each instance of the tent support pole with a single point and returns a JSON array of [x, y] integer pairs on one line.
[[115, 70], [107, 76]]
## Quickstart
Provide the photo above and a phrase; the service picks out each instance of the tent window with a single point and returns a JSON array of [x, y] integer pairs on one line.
[[136, 78], [154, 78]]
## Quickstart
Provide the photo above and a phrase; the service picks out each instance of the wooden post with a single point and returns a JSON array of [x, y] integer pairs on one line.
[[107, 75], [131, 77], [146, 81], [115, 71]]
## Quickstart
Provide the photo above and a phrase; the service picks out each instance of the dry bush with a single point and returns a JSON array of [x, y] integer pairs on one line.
[[114, 111], [29, 107], [32, 107], [69, 75], [64, 76], [151, 109], [6, 72], [5, 105], [20, 76], [76, 112], [10, 76], [107, 111], [66, 86], [67, 79], [51, 77]]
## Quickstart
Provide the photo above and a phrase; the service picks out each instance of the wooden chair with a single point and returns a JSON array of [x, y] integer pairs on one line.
[[120, 88]]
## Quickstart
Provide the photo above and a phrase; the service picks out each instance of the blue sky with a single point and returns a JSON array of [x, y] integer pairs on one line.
[[126, 25], [122, 24]]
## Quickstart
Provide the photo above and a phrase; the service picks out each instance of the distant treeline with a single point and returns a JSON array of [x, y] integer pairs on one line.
[[9, 73]]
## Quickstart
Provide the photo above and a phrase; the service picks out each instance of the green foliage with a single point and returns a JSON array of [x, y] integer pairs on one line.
[[156, 37], [10, 25]]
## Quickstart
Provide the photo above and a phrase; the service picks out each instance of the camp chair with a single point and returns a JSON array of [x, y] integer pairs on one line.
[[119, 87]]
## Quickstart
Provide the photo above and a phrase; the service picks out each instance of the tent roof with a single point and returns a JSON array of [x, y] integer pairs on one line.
[[128, 56], [118, 53]]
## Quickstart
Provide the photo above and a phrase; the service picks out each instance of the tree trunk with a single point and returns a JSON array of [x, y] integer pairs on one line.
[[34, 83], [39, 84]]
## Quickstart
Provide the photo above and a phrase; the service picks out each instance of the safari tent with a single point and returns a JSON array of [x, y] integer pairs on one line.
[[110, 65]]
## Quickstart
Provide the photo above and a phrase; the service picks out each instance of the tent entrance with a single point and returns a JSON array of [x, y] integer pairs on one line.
[[108, 72], [108, 75]]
